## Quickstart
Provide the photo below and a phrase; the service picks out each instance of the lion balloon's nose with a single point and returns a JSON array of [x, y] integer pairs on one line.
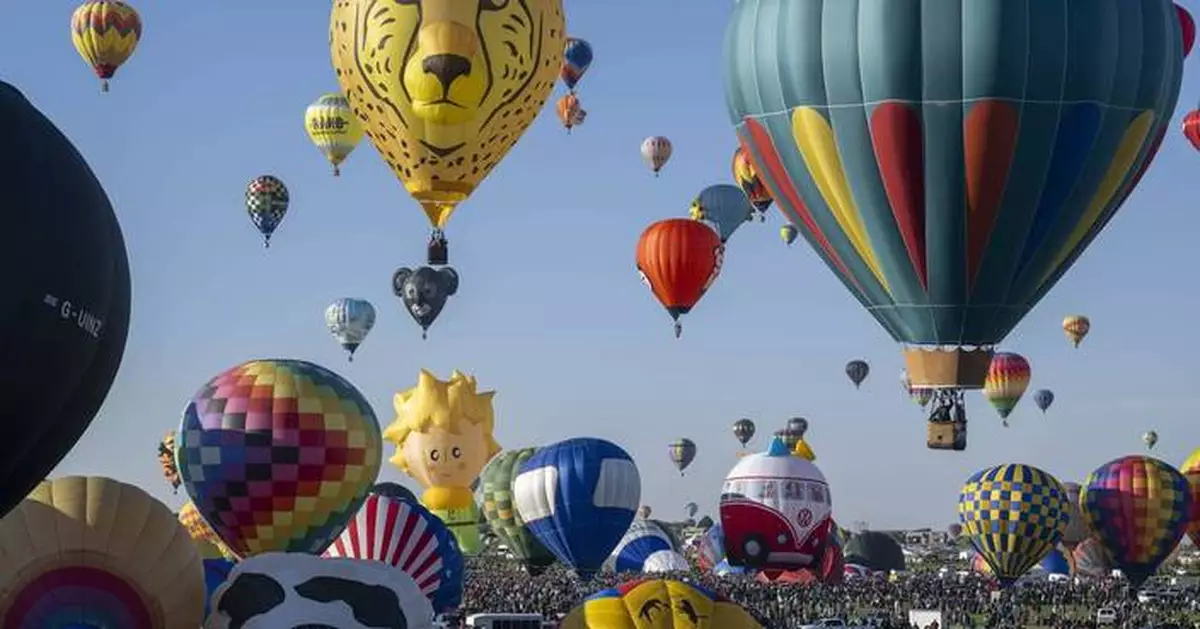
[[446, 67]]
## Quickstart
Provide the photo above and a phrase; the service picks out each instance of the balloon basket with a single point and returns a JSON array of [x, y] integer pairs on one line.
[[957, 368], [439, 251], [947, 435]]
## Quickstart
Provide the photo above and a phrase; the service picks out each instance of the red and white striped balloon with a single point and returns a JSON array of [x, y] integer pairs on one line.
[[394, 532]]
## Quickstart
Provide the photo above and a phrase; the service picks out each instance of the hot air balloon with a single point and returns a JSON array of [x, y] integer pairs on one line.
[[1150, 438], [1191, 470], [788, 234], [95, 552], [276, 590], [66, 298], [578, 497], [750, 183], [444, 436], [1007, 379], [105, 33], [954, 530], [1014, 515], [722, 206], [501, 512], [267, 203], [662, 604], [406, 535], [570, 112], [1076, 327], [775, 511], [202, 534], [331, 125], [1043, 398], [350, 321], [797, 426], [424, 292], [243, 428], [166, 460], [1077, 527], [646, 547], [1191, 128], [1159, 496], [644, 511], [857, 371], [656, 151], [690, 509], [679, 259], [920, 395], [743, 431], [459, 90], [682, 452], [1090, 559], [946, 204], [577, 58], [1187, 28]]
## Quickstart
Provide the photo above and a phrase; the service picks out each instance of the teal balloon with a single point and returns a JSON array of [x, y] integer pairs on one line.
[[724, 206], [950, 159]]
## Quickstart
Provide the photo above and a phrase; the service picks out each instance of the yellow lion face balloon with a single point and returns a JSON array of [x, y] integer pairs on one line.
[[658, 604], [444, 88]]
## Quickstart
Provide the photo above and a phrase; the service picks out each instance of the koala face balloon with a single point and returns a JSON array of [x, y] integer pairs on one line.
[[424, 291], [293, 590]]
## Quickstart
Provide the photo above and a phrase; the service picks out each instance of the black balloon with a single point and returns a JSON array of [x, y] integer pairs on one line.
[[424, 291], [65, 302]]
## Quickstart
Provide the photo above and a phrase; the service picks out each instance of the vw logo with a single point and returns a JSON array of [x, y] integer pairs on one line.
[[804, 518]]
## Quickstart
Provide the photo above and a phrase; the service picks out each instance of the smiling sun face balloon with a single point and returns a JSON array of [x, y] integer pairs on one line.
[[444, 88]]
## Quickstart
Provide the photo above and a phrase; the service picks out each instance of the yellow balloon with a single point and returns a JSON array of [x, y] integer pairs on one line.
[[658, 604], [443, 434], [100, 553], [105, 32], [444, 88], [331, 125]]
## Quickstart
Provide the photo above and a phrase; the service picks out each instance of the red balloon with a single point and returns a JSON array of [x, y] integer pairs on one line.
[[1191, 128], [679, 259], [1187, 26]]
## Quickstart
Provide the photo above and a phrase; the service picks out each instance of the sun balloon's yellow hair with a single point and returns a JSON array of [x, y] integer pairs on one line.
[[445, 404]]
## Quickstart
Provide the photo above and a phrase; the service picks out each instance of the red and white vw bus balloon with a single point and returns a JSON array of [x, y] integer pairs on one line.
[[776, 511]]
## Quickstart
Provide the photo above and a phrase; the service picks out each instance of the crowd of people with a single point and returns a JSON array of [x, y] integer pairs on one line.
[[495, 585]]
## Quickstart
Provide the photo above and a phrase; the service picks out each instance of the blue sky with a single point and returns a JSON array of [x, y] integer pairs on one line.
[[551, 312]]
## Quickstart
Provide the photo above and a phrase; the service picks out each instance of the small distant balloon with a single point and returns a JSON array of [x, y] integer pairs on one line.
[[857, 371], [577, 58], [682, 453], [267, 201], [797, 426], [788, 234], [105, 34], [350, 321], [743, 430], [1150, 438], [424, 291], [656, 151], [1007, 378], [722, 206], [1043, 398], [1076, 327]]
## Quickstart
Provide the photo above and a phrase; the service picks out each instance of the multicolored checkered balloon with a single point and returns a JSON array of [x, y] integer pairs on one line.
[[1139, 507], [1014, 516], [278, 455]]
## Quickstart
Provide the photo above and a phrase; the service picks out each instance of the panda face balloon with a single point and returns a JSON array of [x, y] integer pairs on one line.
[[424, 291], [287, 590]]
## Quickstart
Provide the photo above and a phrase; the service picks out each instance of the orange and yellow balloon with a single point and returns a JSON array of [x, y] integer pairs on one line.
[[462, 83], [1076, 327], [1007, 378], [105, 32]]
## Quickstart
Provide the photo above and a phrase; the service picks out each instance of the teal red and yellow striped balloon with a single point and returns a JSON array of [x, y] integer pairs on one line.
[[1014, 515], [278, 455], [1139, 507], [1007, 378], [950, 160]]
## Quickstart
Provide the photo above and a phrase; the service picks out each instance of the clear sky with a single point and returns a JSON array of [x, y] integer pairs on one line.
[[551, 313]]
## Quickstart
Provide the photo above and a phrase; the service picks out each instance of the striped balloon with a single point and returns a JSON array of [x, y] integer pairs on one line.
[[406, 535], [1014, 515], [1007, 378], [1139, 507]]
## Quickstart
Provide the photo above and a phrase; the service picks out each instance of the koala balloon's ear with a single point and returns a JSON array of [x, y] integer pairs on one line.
[[449, 280], [401, 276]]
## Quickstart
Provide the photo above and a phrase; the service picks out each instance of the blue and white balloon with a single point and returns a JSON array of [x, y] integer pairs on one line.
[[644, 540], [350, 321], [578, 498]]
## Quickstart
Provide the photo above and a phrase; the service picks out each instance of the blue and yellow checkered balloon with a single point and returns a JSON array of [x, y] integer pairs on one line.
[[1014, 516]]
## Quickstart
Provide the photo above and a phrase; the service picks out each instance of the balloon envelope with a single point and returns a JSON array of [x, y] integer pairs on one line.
[[257, 430], [66, 297], [950, 165], [672, 604]]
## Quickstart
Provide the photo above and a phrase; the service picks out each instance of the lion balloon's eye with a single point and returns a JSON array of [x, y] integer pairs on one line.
[[492, 5]]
